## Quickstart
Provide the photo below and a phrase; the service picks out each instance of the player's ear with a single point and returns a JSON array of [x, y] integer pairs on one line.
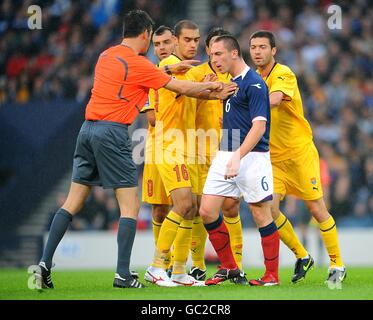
[[274, 50], [207, 51]]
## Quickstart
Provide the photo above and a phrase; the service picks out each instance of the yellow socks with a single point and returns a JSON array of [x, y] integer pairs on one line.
[[235, 234], [166, 237], [328, 231], [288, 236], [199, 236], [181, 246], [156, 228]]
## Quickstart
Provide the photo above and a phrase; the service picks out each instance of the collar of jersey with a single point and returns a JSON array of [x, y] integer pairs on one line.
[[243, 73]]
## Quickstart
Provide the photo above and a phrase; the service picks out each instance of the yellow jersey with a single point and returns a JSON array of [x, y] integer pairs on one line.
[[290, 131], [175, 114], [208, 114], [150, 136]]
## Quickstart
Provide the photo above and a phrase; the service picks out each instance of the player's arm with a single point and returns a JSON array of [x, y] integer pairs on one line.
[[150, 115], [275, 98], [192, 89], [252, 138], [180, 67], [282, 88], [228, 89]]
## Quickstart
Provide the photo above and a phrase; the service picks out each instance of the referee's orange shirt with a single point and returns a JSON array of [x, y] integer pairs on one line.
[[121, 85]]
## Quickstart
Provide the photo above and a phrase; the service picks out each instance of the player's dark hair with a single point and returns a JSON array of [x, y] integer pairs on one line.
[[215, 32], [136, 22], [265, 34], [162, 29], [230, 42], [184, 24]]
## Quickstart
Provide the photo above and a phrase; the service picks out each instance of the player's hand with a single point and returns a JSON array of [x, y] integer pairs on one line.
[[210, 77], [228, 89], [233, 166], [215, 86], [221, 122], [182, 66]]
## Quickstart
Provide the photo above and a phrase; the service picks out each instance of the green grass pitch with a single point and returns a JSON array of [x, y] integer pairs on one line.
[[97, 285]]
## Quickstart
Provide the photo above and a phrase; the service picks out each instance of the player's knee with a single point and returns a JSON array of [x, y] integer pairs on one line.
[[207, 215], [275, 212], [183, 207], [159, 212], [318, 210], [261, 215], [230, 209]]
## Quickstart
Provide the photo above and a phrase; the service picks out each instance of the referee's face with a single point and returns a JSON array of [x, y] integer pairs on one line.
[[261, 52]]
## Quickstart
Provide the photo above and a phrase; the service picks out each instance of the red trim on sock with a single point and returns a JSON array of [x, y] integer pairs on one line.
[[271, 248], [219, 238]]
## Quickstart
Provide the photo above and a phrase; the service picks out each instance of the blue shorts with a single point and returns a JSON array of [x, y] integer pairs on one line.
[[103, 156]]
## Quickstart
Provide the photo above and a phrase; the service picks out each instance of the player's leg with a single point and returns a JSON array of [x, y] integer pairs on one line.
[[219, 237], [182, 200], [232, 220], [304, 263], [261, 212], [199, 236], [199, 233], [159, 213], [75, 200], [328, 231], [310, 190], [181, 248], [215, 191], [255, 182]]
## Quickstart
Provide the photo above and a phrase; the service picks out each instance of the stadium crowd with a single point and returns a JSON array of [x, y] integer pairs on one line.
[[334, 69]]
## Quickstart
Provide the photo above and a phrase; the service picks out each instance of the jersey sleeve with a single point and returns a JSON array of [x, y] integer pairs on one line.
[[151, 102], [150, 76], [286, 83], [258, 101]]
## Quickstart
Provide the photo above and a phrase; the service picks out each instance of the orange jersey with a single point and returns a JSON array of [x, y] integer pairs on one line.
[[121, 85]]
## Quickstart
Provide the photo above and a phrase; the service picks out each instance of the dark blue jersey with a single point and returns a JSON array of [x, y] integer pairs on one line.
[[249, 102]]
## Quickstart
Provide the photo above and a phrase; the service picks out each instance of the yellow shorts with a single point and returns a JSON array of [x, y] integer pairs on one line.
[[203, 170], [153, 190], [299, 176], [178, 174]]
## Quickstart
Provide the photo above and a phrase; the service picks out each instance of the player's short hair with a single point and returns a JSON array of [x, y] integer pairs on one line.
[[265, 34], [230, 42], [136, 22], [218, 31], [162, 29], [184, 24]]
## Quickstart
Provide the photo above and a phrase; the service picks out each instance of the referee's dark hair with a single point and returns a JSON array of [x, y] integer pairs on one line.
[[265, 34], [162, 29], [184, 24], [136, 22], [230, 43], [215, 32]]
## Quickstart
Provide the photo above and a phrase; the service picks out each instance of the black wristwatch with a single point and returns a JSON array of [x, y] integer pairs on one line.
[[167, 70]]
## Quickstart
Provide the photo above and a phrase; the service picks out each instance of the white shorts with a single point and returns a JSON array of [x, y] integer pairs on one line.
[[254, 180]]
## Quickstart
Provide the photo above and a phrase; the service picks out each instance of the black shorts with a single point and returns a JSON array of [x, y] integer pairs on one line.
[[103, 156]]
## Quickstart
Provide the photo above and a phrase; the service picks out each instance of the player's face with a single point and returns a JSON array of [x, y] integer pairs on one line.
[[261, 52], [187, 43], [163, 44], [220, 57], [208, 49]]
